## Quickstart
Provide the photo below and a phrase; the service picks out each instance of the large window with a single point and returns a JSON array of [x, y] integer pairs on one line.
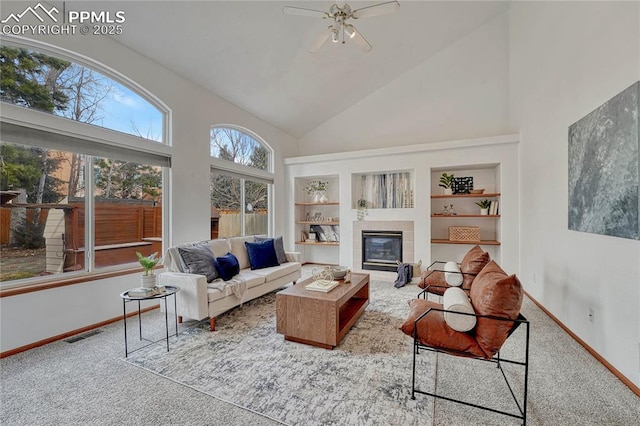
[[75, 198], [241, 182]]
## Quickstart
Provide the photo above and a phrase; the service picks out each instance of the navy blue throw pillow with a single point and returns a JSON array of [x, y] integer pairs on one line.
[[227, 266], [262, 254]]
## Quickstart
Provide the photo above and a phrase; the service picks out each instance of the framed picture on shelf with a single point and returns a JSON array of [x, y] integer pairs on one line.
[[462, 185], [326, 233]]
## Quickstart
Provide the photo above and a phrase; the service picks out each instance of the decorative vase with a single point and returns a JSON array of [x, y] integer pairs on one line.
[[484, 212], [148, 281], [320, 197], [448, 191]]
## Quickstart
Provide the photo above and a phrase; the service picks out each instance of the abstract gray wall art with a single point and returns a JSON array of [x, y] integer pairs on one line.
[[604, 195]]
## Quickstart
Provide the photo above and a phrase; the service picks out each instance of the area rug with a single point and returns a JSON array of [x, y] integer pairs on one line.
[[365, 380]]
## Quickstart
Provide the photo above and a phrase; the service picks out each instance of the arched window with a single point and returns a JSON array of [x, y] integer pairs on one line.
[[78, 196], [240, 147], [241, 182], [74, 91]]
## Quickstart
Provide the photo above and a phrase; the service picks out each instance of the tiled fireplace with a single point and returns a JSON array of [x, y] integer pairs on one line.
[[385, 237]]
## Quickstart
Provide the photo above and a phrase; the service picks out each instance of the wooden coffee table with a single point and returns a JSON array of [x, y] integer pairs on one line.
[[321, 319]]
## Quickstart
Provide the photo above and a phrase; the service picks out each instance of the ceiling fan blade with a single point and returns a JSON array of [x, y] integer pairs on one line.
[[317, 44], [375, 10], [361, 41], [290, 10]]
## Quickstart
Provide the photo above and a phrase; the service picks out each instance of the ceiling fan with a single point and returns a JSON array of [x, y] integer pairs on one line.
[[340, 13]]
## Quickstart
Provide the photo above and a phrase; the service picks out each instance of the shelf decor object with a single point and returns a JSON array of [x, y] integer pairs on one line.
[[462, 185], [319, 190], [446, 182], [484, 206], [464, 233]]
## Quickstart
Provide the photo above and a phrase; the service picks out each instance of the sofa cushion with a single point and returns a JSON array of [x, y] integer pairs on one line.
[[495, 293], [240, 251], [276, 272], [251, 278], [199, 259], [173, 260], [261, 254], [471, 265], [433, 331], [214, 294], [278, 244], [227, 266], [219, 247]]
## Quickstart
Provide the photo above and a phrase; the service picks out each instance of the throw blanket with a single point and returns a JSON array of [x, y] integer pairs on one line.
[[237, 285], [405, 273]]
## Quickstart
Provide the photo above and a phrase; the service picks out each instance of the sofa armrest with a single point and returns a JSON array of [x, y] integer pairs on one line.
[[293, 256], [192, 298]]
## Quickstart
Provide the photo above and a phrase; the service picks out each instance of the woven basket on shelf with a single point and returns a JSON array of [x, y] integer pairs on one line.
[[464, 233]]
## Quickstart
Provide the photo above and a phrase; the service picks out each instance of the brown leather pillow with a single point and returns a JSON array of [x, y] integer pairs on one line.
[[435, 280], [433, 331], [471, 265], [495, 293]]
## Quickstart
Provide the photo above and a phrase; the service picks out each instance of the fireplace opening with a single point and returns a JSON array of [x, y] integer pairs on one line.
[[381, 250]]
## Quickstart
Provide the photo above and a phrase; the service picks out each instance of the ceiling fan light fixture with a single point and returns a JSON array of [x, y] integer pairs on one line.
[[350, 31], [334, 35], [340, 12]]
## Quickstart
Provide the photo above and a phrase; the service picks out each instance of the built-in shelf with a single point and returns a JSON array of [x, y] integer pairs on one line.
[[319, 218], [465, 209], [483, 242], [451, 216], [488, 195], [330, 203]]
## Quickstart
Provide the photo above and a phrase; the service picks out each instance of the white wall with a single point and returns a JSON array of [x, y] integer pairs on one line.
[[566, 59], [35, 316], [459, 93]]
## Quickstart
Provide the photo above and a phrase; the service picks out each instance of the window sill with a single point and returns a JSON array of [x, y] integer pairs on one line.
[[65, 281]]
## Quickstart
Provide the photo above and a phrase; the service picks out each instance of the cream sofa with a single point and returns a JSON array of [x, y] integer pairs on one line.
[[198, 299]]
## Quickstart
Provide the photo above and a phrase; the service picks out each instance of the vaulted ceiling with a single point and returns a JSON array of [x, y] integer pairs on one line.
[[253, 55]]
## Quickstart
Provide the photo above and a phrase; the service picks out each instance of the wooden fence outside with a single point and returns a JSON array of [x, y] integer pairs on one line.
[[5, 222], [230, 223], [122, 227]]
